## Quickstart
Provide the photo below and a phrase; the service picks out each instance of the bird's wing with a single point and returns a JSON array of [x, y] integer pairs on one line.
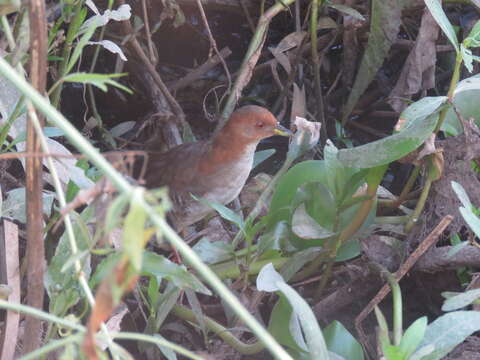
[[176, 168]]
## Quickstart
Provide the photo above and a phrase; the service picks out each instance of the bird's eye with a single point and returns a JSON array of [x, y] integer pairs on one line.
[[260, 125]]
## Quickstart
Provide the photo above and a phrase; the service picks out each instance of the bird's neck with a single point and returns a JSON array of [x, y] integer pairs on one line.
[[229, 149]]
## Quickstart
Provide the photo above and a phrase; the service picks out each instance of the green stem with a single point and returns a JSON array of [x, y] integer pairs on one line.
[[52, 346], [408, 186], [397, 308], [219, 330], [124, 187], [374, 177], [42, 315], [420, 205], [451, 90]]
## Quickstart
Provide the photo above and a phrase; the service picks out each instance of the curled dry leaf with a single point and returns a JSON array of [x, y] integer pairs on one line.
[[307, 133]]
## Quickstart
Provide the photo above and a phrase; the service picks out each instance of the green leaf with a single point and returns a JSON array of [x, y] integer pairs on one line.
[[461, 300], [304, 226], [261, 156], [224, 212], [472, 220], [275, 239], [14, 205], [461, 194], [341, 342], [63, 288], [179, 275], [413, 336], [386, 18], [213, 252], [79, 47], [448, 331], [270, 280], [99, 80], [435, 7], [301, 173], [133, 230], [283, 325], [394, 147], [349, 250]]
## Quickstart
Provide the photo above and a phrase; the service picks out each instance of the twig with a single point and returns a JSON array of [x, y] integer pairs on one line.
[[250, 59], [202, 69], [250, 22], [213, 45], [148, 34], [430, 240], [127, 26], [34, 184]]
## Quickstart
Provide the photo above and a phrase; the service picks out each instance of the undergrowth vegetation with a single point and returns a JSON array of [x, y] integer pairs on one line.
[[91, 239]]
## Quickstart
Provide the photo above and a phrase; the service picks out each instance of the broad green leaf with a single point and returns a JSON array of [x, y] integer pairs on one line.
[[270, 280], [133, 230], [301, 173], [14, 206], [213, 252], [341, 342], [304, 226], [413, 336], [283, 325], [448, 331], [261, 156], [435, 7], [461, 300], [420, 110], [386, 17], [391, 148], [99, 80], [465, 99], [349, 250]]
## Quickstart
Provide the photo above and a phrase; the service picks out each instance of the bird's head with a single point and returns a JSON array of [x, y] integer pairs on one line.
[[252, 123]]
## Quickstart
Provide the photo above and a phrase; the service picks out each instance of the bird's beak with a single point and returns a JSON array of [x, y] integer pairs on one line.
[[281, 130]]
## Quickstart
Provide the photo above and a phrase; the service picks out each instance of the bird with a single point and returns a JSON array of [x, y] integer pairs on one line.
[[214, 170]]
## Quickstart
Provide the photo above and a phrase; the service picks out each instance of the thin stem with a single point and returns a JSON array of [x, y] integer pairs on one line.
[[52, 346], [39, 314], [397, 308], [420, 205], [219, 330], [316, 68], [251, 58], [451, 90], [408, 186]]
